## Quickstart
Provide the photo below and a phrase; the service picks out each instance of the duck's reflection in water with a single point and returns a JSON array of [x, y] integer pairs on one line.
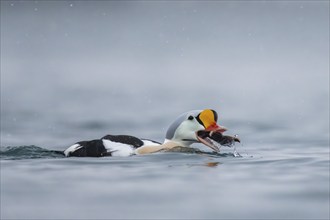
[[212, 164]]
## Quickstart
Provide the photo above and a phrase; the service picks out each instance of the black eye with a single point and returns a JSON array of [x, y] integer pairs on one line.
[[190, 117]]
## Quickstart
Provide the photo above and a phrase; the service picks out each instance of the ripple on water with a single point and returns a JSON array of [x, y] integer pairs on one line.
[[28, 152]]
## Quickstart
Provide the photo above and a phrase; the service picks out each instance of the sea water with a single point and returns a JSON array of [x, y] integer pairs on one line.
[[268, 180], [81, 70]]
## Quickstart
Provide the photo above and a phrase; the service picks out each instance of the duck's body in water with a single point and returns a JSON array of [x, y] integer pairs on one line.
[[190, 127]]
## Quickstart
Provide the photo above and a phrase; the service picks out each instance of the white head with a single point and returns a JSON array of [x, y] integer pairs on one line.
[[184, 130]]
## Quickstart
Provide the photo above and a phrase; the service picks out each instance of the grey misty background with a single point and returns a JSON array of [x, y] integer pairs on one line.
[[78, 70]]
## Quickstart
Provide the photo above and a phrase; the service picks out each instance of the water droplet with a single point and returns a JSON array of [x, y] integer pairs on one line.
[[236, 154]]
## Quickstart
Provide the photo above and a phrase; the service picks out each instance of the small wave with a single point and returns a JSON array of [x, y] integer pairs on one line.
[[28, 152]]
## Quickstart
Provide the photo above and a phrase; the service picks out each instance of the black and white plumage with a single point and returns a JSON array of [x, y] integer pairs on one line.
[[198, 126], [109, 145]]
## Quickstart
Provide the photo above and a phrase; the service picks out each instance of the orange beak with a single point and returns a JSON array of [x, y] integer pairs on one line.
[[208, 118], [216, 128]]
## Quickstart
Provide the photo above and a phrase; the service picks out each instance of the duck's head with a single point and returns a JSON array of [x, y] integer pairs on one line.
[[189, 127]]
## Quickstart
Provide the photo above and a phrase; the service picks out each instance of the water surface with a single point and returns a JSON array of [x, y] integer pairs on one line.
[[73, 71]]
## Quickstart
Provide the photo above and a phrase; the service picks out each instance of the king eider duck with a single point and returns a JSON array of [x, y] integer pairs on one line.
[[198, 126]]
